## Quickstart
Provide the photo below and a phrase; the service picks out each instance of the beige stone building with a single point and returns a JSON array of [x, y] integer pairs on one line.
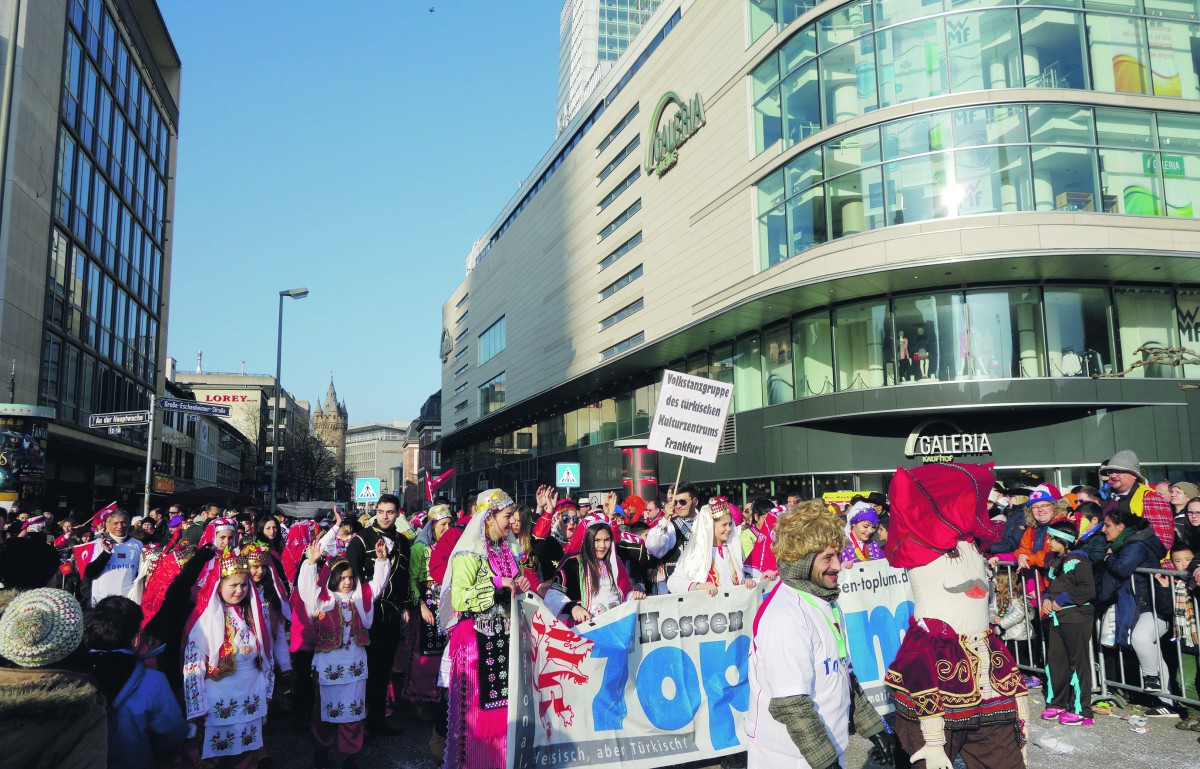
[[886, 223], [329, 423]]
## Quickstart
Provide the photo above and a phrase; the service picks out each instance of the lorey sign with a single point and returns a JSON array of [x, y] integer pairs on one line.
[[667, 138]]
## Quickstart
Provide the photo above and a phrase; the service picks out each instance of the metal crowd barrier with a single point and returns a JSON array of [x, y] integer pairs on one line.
[[1110, 663]]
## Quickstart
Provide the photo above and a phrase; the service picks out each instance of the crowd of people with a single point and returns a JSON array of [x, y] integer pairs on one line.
[[169, 639]]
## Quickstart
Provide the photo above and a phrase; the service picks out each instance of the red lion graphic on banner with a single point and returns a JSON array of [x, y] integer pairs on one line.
[[557, 654]]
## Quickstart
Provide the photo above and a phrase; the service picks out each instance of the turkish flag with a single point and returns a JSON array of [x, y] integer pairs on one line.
[[433, 484]]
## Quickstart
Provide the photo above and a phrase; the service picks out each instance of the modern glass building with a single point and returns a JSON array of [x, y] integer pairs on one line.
[[904, 230], [85, 228]]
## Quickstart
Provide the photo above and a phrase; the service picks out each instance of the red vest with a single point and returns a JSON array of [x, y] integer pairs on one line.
[[326, 626]]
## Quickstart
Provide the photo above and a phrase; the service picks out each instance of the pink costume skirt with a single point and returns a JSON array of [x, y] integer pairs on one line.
[[477, 738]]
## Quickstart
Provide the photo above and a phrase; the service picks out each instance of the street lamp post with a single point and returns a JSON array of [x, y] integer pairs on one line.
[[294, 293]]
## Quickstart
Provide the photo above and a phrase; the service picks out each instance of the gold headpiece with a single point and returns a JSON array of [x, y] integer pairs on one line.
[[255, 554], [233, 563], [718, 507]]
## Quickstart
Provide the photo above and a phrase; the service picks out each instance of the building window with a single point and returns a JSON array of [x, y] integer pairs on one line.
[[621, 282], [623, 345], [625, 184], [462, 388], [621, 219], [621, 250], [461, 318], [625, 152], [629, 116], [867, 55], [460, 424], [462, 370], [460, 302], [460, 353], [492, 341], [460, 336], [459, 406], [491, 395], [621, 314]]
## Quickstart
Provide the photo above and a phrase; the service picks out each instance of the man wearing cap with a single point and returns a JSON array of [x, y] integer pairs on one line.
[[956, 687], [1130, 494], [114, 561]]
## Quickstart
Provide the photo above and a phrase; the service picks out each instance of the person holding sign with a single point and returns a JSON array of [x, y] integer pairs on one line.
[[667, 539], [803, 695], [592, 579], [481, 578], [708, 561]]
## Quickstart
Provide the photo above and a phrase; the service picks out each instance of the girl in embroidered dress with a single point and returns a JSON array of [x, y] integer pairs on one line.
[[482, 576], [228, 667], [266, 578], [592, 579], [863, 520], [758, 555], [709, 562], [341, 610]]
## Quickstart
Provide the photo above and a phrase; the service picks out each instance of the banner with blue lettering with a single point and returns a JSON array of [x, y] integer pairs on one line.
[[648, 684], [877, 603]]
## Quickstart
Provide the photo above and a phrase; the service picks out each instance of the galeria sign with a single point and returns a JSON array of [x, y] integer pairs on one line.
[[666, 139], [690, 417]]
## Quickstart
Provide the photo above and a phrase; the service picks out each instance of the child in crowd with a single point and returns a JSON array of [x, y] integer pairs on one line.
[[1184, 630], [592, 579], [341, 610], [227, 665], [1091, 538], [268, 583], [1067, 616], [145, 723], [1008, 610], [863, 521]]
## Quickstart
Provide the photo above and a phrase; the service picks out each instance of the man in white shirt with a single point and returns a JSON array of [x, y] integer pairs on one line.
[[114, 563], [803, 693]]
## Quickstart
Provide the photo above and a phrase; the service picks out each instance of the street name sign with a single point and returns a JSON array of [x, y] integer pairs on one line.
[[119, 419], [192, 407]]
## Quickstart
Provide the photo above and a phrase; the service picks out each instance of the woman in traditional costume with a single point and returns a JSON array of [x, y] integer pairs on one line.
[[228, 666], [710, 562], [341, 610], [482, 576], [426, 641], [592, 579], [758, 554], [863, 520]]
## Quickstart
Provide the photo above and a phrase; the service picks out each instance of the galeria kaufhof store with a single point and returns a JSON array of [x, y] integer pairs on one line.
[[904, 230]]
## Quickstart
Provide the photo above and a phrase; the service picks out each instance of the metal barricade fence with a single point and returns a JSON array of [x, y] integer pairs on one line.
[[1164, 638]]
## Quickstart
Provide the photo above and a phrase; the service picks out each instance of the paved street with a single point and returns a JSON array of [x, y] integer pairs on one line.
[[1112, 743]]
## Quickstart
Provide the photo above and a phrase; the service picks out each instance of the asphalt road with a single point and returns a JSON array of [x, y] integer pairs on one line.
[[1111, 743]]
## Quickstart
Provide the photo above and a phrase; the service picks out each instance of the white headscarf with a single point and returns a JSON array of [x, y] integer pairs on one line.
[[473, 542], [696, 560]]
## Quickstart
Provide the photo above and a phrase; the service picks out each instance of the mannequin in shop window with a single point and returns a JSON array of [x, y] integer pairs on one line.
[[922, 354], [905, 358]]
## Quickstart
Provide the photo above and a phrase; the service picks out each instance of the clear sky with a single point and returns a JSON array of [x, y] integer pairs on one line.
[[356, 148]]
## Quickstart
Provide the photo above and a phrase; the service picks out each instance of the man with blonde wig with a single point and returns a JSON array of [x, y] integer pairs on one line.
[[803, 694]]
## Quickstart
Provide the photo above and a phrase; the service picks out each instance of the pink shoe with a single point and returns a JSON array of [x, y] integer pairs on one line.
[[1049, 714], [1074, 719]]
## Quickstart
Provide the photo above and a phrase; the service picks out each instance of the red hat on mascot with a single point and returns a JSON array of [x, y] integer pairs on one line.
[[936, 506]]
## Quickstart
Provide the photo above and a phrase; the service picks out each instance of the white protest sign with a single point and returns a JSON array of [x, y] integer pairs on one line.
[[690, 417]]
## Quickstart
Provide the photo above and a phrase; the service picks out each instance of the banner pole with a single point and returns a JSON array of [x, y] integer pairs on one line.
[[678, 475]]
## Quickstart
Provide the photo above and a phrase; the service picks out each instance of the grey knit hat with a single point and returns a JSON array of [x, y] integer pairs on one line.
[[41, 627], [1124, 461]]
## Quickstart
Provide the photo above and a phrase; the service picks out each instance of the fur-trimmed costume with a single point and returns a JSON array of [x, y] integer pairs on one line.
[[36, 708]]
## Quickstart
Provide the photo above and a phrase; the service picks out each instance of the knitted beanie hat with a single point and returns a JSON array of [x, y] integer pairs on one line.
[[41, 627]]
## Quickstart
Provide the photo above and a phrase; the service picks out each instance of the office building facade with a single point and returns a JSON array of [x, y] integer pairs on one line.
[[903, 230], [592, 35], [88, 140]]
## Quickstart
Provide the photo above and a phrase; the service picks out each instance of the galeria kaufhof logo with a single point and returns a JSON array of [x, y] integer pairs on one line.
[[663, 152]]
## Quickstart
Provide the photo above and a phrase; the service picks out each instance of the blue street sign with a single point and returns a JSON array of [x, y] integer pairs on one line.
[[566, 475], [192, 407], [366, 489]]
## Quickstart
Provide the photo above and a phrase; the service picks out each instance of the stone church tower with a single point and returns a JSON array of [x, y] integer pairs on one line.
[[329, 423]]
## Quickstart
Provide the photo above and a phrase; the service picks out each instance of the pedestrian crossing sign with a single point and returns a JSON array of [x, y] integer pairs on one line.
[[366, 489], [567, 475]]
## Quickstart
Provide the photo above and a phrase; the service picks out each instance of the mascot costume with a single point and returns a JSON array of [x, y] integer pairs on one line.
[[956, 686]]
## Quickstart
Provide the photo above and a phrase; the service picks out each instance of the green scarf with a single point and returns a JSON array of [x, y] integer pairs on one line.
[[1117, 543], [798, 576]]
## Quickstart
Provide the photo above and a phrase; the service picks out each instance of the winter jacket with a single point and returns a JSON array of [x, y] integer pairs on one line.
[[1138, 549], [145, 722], [51, 719], [1145, 502], [1014, 527], [1093, 544], [1072, 587], [1013, 626]]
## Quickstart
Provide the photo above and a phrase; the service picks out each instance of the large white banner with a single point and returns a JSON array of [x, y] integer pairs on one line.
[[877, 603], [690, 417], [651, 683]]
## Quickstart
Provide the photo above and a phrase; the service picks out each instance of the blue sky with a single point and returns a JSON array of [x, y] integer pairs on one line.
[[355, 148]]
